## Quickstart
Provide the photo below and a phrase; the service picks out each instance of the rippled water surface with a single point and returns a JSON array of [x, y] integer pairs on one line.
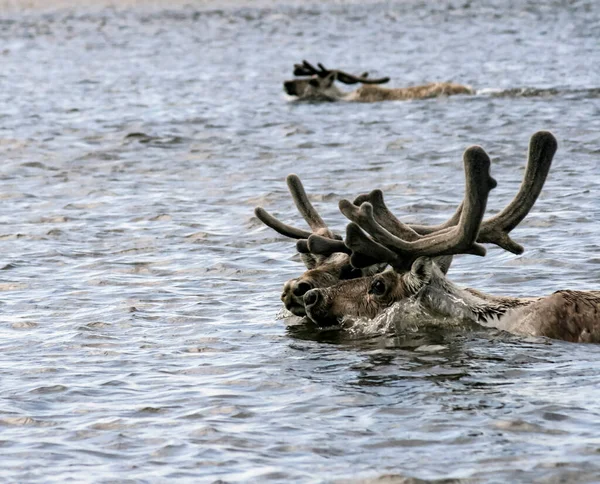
[[141, 337]]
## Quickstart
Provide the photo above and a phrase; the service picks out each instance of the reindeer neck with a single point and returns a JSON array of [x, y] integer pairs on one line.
[[446, 298], [333, 93]]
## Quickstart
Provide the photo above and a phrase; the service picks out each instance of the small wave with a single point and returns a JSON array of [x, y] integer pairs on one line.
[[152, 140], [403, 316], [587, 93], [24, 422]]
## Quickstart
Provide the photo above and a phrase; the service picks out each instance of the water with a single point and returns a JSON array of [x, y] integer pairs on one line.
[[140, 339]]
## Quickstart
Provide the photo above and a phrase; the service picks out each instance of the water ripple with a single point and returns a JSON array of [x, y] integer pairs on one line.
[[142, 336]]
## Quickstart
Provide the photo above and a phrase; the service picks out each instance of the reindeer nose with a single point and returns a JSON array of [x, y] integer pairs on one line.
[[312, 298], [302, 288]]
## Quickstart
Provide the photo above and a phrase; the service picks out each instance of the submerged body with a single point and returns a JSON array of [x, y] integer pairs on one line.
[[426, 91], [567, 315], [320, 86], [304, 90]]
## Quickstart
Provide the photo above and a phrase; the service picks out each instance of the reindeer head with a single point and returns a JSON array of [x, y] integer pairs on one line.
[[411, 250], [368, 296], [319, 83], [323, 252]]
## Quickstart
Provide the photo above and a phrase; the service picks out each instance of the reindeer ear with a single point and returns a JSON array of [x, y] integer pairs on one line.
[[443, 262], [330, 79], [310, 261], [422, 269], [419, 275]]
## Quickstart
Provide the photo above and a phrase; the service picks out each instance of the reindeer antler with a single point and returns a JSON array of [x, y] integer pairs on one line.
[[309, 243], [306, 209], [307, 69], [494, 230], [352, 79], [458, 239]]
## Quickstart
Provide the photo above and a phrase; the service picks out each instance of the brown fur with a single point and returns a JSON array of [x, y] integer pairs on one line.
[[431, 90], [324, 89], [325, 274], [566, 315]]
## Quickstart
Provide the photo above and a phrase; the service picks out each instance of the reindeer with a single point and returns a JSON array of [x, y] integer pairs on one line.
[[568, 315], [319, 85], [326, 258]]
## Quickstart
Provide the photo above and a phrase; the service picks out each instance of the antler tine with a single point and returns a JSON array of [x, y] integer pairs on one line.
[[302, 246], [495, 230], [307, 211], [317, 244], [303, 204], [324, 69], [309, 66], [454, 240], [301, 70], [388, 220], [278, 226], [313, 70], [365, 250], [352, 79], [450, 241], [307, 69]]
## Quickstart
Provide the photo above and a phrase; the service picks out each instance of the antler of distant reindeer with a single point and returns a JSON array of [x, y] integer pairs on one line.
[[376, 219], [307, 69]]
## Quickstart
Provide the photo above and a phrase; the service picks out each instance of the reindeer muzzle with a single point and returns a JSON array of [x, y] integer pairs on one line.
[[316, 308], [290, 88]]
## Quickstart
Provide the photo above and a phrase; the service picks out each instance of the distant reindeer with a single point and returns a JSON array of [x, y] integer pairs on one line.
[[319, 85], [374, 230]]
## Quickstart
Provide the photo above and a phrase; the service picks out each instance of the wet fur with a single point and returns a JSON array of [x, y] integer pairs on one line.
[[566, 315], [327, 91], [322, 273], [427, 91], [325, 273]]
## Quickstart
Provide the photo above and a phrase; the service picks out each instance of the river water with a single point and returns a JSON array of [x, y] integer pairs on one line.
[[141, 335]]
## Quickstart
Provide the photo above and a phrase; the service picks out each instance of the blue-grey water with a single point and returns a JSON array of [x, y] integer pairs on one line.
[[141, 337]]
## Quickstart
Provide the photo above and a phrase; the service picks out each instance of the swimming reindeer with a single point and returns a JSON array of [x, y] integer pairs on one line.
[[318, 84], [374, 230], [323, 252], [326, 257]]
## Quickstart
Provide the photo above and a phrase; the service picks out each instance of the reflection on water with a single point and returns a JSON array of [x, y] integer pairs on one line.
[[139, 294]]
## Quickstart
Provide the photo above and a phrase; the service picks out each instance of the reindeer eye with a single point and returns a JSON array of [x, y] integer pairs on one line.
[[314, 83], [377, 288]]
